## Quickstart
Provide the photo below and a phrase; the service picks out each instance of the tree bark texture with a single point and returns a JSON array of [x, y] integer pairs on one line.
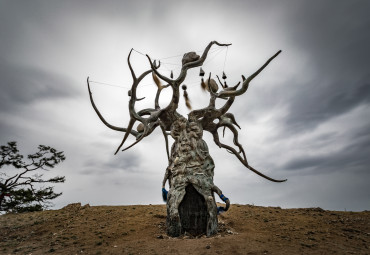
[[191, 205]]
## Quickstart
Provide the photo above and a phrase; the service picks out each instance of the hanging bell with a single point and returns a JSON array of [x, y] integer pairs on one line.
[[171, 75], [224, 75], [201, 73]]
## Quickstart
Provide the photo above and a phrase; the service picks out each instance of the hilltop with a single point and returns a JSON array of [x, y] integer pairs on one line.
[[140, 229]]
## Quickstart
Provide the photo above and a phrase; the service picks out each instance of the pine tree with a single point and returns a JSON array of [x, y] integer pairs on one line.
[[21, 183]]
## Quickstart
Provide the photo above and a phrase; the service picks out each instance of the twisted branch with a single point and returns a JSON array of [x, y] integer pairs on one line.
[[168, 115], [246, 82], [132, 132], [244, 162]]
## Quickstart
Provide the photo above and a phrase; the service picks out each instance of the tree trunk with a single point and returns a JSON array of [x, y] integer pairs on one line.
[[191, 205]]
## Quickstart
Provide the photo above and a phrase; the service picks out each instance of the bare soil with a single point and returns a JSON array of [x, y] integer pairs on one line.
[[140, 229]]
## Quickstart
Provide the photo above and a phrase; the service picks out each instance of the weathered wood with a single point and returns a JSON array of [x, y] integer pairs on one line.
[[193, 212], [190, 175]]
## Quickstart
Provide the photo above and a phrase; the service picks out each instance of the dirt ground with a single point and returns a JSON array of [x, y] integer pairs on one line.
[[140, 229]]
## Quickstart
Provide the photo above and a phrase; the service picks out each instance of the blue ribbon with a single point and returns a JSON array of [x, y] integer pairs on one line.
[[164, 194], [221, 209], [223, 198]]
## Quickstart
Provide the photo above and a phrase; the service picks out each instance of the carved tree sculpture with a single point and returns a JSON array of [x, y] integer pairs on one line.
[[191, 204]]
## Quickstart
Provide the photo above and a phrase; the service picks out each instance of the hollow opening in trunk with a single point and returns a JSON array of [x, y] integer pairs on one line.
[[193, 212]]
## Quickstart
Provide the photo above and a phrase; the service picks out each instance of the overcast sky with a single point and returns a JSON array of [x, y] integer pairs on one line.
[[306, 117]]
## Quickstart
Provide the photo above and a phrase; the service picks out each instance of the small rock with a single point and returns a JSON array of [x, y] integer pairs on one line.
[[308, 245], [208, 247], [160, 237], [85, 206], [72, 207]]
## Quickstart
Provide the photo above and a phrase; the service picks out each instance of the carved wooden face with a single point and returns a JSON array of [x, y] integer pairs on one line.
[[188, 129], [186, 134]]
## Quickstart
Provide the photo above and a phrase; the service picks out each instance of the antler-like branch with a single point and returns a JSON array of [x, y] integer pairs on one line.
[[169, 114], [163, 128], [210, 113], [226, 121], [165, 117], [198, 62], [134, 116], [154, 68], [246, 82], [148, 129], [159, 90], [133, 132], [244, 162]]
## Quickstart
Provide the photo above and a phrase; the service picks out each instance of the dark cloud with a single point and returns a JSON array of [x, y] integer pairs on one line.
[[353, 157], [127, 162], [22, 86], [315, 104], [331, 36]]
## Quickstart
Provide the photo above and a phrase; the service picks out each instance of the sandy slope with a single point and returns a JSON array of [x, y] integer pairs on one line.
[[138, 229]]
